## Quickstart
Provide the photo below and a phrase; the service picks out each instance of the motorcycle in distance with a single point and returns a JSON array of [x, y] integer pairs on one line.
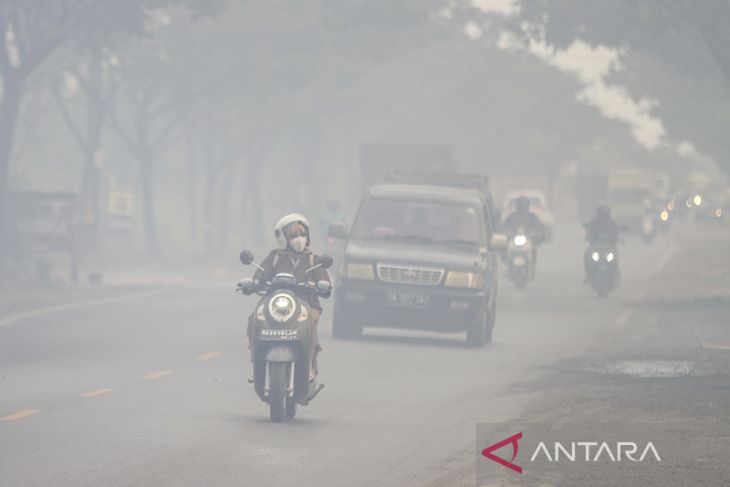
[[649, 223], [602, 269], [281, 337], [519, 258], [665, 220], [648, 228]]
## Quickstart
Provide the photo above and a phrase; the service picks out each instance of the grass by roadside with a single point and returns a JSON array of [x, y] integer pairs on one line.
[[699, 269], [669, 363]]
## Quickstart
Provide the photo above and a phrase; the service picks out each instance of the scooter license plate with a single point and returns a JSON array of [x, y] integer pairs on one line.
[[408, 300], [278, 334]]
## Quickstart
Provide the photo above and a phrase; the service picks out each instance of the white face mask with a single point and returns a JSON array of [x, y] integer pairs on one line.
[[298, 244]]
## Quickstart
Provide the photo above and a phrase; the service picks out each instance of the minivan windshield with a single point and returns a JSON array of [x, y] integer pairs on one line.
[[418, 221]]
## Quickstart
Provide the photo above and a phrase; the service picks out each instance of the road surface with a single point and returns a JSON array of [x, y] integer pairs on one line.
[[152, 390]]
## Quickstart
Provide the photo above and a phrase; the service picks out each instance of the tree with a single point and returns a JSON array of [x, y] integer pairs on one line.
[[674, 51], [30, 32], [87, 83]]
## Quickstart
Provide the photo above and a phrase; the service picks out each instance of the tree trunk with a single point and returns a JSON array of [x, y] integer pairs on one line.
[[9, 108], [255, 209], [95, 121], [208, 211], [148, 204], [225, 204], [192, 161]]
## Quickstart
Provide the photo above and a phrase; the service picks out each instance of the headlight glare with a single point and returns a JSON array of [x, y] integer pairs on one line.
[[520, 240], [609, 257], [595, 256]]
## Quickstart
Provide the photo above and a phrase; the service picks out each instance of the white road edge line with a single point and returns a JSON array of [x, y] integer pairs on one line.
[[85, 304], [665, 257]]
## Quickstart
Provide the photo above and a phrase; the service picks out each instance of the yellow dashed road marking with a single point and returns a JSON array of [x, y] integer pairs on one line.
[[20, 414], [157, 375], [715, 346], [207, 356], [96, 392]]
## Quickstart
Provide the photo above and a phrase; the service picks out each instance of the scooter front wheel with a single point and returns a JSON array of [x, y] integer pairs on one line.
[[291, 408], [277, 391]]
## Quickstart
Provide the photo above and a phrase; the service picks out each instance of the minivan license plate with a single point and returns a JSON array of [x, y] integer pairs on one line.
[[408, 299]]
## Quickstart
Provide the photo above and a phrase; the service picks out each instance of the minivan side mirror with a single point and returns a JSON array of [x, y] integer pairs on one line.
[[498, 242], [337, 231]]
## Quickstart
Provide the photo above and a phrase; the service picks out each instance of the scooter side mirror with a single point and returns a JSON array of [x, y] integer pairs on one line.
[[326, 261], [246, 257], [498, 242]]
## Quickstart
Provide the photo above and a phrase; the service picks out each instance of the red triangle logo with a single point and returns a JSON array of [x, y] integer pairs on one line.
[[513, 440]]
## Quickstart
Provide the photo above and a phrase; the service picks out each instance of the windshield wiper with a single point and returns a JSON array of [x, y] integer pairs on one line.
[[457, 241], [413, 238]]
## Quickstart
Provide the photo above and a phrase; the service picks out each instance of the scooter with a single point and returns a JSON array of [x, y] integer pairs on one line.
[[281, 338], [602, 269], [519, 259]]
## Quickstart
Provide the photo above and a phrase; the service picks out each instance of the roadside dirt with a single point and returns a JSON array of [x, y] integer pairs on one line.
[[667, 365]]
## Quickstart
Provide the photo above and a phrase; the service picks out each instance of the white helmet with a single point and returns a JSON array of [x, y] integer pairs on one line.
[[284, 222]]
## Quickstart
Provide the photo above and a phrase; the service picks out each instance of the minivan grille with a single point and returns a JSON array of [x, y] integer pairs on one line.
[[425, 276]]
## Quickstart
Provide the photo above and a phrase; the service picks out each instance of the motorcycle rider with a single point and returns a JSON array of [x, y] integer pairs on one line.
[[294, 257], [523, 218], [601, 230]]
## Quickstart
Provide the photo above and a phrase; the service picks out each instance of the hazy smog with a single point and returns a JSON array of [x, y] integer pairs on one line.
[[364, 243]]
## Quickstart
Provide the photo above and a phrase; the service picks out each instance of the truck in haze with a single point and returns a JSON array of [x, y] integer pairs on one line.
[[377, 160], [635, 194]]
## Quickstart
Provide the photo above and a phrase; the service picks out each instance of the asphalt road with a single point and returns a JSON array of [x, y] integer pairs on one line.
[[152, 390]]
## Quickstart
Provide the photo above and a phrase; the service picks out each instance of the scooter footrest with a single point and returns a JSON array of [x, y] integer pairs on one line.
[[313, 391]]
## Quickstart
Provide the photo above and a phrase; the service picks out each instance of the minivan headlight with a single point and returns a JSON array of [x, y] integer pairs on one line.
[[358, 271], [470, 280]]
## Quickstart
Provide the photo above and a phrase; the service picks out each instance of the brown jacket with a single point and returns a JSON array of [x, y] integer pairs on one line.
[[286, 260]]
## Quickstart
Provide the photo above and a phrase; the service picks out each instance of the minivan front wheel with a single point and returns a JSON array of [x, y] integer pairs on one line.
[[480, 332]]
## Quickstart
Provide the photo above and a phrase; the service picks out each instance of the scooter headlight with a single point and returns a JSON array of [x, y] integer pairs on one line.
[[281, 307], [609, 257], [595, 256], [519, 240]]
